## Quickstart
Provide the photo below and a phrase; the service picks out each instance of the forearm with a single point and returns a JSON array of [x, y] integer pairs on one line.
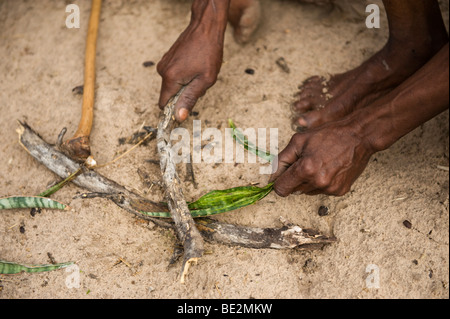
[[211, 16], [420, 98]]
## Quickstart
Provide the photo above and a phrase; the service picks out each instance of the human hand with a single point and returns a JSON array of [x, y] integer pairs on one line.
[[326, 160], [193, 61]]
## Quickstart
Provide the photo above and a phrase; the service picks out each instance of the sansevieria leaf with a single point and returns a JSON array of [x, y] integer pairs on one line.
[[242, 139], [30, 202], [221, 201], [57, 187], [8, 268]]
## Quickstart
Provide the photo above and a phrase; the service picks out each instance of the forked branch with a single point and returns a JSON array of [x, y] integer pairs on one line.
[[287, 237], [188, 234]]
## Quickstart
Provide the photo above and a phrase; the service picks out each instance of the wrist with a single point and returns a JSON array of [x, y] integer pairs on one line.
[[213, 15], [375, 127]]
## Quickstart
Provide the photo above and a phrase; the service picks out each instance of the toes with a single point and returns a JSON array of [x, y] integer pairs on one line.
[[302, 106], [308, 102], [313, 80], [296, 127], [246, 21], [311, 95], [308, 120], [312, 119], [310, 109], [331, 112]]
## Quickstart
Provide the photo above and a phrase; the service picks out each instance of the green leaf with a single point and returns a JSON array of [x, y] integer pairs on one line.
[[60, 185], [221, 201], [242, 139], [30, 202], [7, 267]]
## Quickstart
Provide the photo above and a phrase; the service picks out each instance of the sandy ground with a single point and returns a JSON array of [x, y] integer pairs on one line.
[[42, 60]]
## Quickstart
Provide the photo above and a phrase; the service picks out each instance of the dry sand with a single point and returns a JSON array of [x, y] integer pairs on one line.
[[42, 60]]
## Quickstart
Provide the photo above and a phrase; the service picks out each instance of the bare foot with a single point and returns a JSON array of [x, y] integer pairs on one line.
[[322, 100], [244, 16]]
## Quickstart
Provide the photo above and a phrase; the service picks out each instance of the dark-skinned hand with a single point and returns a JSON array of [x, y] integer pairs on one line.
[[325, 160], [194, 61]]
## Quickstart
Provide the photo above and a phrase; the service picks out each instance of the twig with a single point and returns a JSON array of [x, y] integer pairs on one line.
[[288, 237], [190, 172], [61, 165], [78, 146], [188, 234], [131, 149]]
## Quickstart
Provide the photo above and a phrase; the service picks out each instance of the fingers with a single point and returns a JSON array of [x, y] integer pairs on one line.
[[194, 89], [298, 171], [169, 88], [288, 156], [292, 181], [192, 92]]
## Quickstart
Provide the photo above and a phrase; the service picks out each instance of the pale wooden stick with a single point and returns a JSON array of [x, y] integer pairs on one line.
[[78, 147], [188, 234]]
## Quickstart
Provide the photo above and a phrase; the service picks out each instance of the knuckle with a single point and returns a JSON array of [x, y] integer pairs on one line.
[[322, 180], [210, 79], [161, 67], [297, 138], [280, 191], [169, 74], [337, 190], [308, 167]]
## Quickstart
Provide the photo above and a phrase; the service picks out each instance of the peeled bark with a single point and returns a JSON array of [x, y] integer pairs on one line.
[[188, 234]]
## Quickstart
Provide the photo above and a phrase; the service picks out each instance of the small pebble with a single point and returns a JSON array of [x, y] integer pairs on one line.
[[310, 266], [323, 211], [33, 211], [51, 258], [148, 64], [407, 224], [250, 71], [281, 62], [78, 90]]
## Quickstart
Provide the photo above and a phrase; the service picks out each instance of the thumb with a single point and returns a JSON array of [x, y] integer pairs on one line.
[[288, 156], [192, 92]]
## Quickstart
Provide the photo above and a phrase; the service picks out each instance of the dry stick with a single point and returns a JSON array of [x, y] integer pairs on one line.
[[188, 234], [62, 165], [78, 146], [287, 237]]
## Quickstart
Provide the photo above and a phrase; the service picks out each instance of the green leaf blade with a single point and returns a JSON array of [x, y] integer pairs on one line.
[[10, 268], [242, 139], [15, 202], [221, 201]]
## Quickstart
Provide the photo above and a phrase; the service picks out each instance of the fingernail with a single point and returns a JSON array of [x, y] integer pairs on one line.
[[302, 122], [296, 128], [183, 114]]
